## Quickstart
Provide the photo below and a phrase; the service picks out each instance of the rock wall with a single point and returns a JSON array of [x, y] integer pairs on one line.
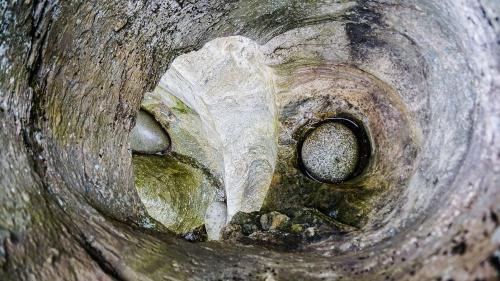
[[73, 75]]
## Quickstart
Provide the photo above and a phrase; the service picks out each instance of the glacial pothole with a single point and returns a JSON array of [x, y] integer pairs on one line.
[[235, 85]]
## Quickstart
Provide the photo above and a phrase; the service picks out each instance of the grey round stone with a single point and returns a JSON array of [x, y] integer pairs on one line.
[[148, 136], [330, 152]]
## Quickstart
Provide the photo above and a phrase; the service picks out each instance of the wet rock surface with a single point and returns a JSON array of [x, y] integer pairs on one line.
[[422, 76], [174, 193], [286, 230]]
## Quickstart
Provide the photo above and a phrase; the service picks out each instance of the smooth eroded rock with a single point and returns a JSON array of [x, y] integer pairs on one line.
[[229, 86], [330, 152], [174, 192], [148, 136]]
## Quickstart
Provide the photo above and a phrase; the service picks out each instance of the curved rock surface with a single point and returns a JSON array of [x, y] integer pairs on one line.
[[422, 76], [229, 89]]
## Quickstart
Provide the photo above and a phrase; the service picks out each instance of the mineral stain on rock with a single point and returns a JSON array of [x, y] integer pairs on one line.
[[359, 29]]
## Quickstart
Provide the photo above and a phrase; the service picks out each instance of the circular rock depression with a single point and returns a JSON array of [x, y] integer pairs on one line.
[[413, 104], [422, 77], [381, 78]]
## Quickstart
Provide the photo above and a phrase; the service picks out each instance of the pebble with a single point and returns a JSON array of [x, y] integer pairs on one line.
[[148, 136], [273, 220], [330, 153]]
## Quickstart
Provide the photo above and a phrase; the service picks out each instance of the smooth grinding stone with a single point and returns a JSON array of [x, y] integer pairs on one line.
[[215, 219], [330, 153], [147, 136]]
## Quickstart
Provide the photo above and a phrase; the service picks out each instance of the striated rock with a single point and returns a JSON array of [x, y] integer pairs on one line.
[[422, 76], [190, 135], [229, 89]]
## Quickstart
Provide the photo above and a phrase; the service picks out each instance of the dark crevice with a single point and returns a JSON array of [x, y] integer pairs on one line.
[[31, 131], [495, 262], [494, 217], [37, 33], [484, 14], [459, 249], [4, 260], [41, 23], [98, 257]]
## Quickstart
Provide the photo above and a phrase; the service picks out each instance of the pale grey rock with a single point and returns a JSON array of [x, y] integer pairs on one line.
[[229, 86], [219, 106], [215, 219], [190, 135], [148, 136]]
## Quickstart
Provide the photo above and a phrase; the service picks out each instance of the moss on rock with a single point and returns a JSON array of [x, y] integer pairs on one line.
[[173, 192]]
